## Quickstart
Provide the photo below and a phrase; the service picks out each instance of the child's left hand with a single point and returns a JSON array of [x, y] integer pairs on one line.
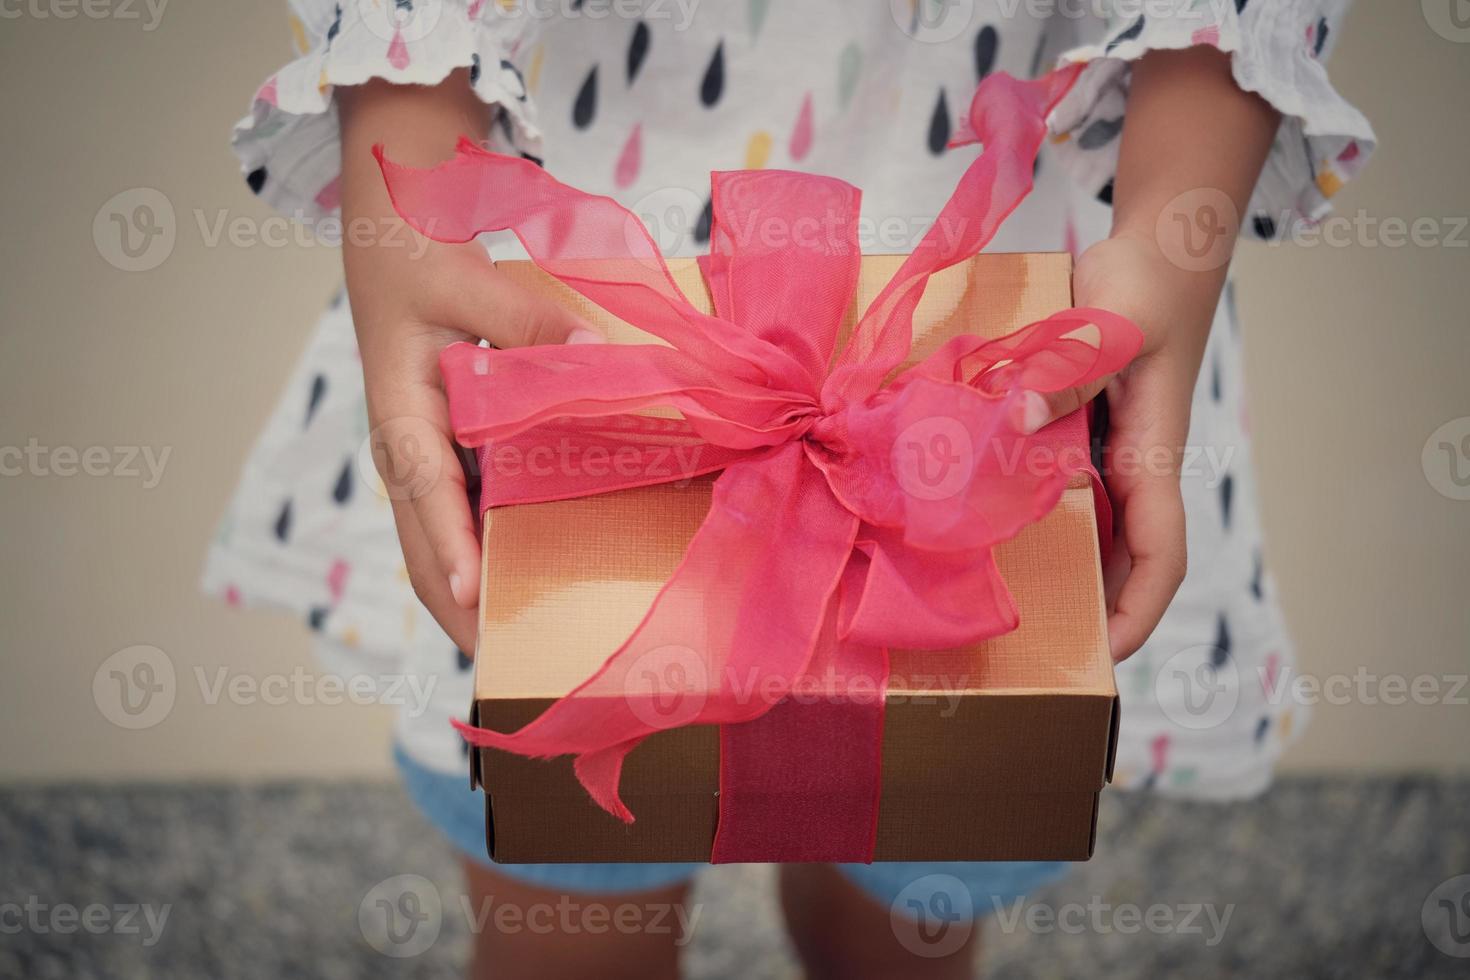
[[1148, 414], [1190, 135]]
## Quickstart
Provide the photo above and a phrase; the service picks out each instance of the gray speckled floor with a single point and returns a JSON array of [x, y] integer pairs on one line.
[[1321, 878]]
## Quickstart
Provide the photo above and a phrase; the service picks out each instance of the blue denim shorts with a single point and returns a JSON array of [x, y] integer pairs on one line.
[[458, 812]]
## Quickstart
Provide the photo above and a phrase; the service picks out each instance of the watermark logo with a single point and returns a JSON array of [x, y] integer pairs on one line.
[[401, 916], [661, 462], [670, 216], [678, 13], [138, 687], [135, 688], [135, 229], [402, 458], [667, 687], [1201, 12], [1450, 19], [932, 21], [933, 916], [1205, 920], [1196, 230], [1364, 687], [569, 917], [411, 692], [400, 22], [934, 458], [1198, 687], [148, 12], [64, 919], [1360, 229], [143, 463], [1446, 459], [1445, 916]]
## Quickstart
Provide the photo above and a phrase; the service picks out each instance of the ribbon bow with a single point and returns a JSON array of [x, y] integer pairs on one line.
[[851, 515]]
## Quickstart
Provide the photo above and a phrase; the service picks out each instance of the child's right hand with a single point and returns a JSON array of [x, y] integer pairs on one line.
[[411, 299]]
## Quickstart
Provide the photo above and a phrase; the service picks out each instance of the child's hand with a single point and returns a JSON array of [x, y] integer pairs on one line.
[[407, 310], [1148, 413], [411, 299], [1189, 131]]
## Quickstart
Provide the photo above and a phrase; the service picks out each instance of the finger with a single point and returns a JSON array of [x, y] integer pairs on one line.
[[1152, 523], [420, 467], [485, 303], [1042, 408], [432, 590]]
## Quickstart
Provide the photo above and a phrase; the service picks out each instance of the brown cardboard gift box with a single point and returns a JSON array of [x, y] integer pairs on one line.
[[994, 753]]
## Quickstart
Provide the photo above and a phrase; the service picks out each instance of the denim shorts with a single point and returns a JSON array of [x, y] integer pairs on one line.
[[458, 812]]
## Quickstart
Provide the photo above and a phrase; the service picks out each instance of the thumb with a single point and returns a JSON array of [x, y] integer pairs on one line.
[[1039, 408], [507, 314]]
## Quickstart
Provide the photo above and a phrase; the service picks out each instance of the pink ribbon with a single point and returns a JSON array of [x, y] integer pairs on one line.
[[850, 515]]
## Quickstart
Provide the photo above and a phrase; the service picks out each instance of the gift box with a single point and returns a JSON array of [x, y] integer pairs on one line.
[[992, 752]]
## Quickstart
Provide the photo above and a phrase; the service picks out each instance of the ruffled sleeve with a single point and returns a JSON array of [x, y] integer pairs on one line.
[[288, 146], [1278, 49]]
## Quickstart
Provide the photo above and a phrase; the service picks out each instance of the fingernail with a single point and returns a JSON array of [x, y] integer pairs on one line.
[[455, 581], [1034, 412], [584, 335]]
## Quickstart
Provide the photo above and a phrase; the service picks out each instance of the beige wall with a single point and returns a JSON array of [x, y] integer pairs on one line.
[[1357, 355]]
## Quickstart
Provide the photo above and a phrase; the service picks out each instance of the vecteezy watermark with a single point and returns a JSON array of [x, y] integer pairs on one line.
[[1445, 916], [1125, 918], [936, 457], [676, 464], [1450, 19], [403, 916], [137, 687], [403, 458], [669, 685], [1446, 459], [147, 12], [1119, 11], [932, 21], [569, 917], [300, 231], [675, 216], [1198, 687], [302, 687], [680, 13], [938, 21], [400, 22], [136, 230], [1196, 230], [1363, 230], [933, 916], [1201, 687], [933, 458], [144, 463], [64, 919], [1366, 687]]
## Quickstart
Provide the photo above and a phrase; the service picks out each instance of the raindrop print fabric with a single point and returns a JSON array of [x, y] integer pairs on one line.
[[643, 108]]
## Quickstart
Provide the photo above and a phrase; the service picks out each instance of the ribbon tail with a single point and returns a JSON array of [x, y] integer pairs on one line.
[[725, 638], [1009, 117], [599, 773]]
